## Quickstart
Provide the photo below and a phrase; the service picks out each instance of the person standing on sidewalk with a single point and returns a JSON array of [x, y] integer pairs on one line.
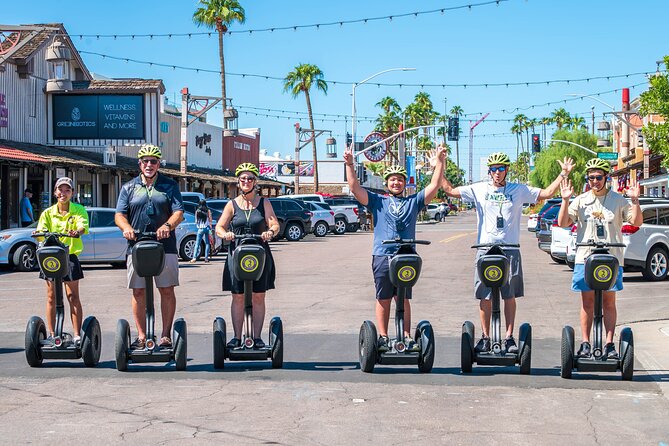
[[394, 216], [203, 224], [600, 214], [27, 215], [499, 206], [151, 202]]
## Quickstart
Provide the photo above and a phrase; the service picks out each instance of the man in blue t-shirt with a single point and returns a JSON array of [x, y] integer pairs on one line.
[[27, 216], [394, 216], [151, 203]]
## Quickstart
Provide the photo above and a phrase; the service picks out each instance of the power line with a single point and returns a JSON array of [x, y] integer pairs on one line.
[[347, 83], [292, 27]]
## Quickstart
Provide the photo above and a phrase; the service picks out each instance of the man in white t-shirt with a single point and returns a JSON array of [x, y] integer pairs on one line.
[[499, 206]]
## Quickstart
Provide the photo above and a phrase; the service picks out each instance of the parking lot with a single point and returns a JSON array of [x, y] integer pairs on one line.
[[324, 292]]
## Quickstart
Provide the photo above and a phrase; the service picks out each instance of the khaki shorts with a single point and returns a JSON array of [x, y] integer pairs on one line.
[[169, 277]]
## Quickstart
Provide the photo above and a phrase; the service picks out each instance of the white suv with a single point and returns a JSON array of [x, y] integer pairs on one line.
[[648, 245]]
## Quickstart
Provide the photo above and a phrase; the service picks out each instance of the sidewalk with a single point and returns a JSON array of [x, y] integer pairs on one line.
[[651, 349]]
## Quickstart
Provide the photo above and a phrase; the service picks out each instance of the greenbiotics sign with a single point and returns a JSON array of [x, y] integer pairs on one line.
[[98, 116]]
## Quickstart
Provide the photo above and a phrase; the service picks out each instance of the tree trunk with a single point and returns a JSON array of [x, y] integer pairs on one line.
[[313, 142], [222, 61]]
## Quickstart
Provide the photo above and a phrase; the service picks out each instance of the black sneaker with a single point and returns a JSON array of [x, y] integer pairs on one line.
[[382, 344], [138, 344], [483, 345], [510, 345], [234, 343], [584, 351], [610, 351], [258, 343]]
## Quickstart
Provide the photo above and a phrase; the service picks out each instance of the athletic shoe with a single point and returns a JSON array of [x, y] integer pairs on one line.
[[382, 344], [483, 345], [138, 344], [412, 345], [165, 341], [610, 351], [258, 343], [234, 343], [584, 351], [77, 340], [510, 345]]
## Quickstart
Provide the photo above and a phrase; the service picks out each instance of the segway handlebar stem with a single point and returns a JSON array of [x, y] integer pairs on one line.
[[403, 241], [243, 236], [501, 245], [600, 244]]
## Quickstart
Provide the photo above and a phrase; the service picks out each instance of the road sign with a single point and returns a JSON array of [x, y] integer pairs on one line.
[[607, 155]]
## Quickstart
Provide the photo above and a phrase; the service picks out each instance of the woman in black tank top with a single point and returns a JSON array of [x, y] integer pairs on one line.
[[248, 213]]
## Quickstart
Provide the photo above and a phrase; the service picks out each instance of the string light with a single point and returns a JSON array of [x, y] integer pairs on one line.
[[337, 82], [297, 27]]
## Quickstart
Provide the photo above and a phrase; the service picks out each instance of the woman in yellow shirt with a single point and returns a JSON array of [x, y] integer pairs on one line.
[[72, 219]]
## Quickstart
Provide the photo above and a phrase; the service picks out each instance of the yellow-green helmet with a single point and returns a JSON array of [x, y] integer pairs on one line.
[[499, 158], [598, 163], [395, 170], [149, 150], [247, 167]]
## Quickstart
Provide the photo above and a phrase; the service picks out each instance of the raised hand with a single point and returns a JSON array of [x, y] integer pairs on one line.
[[439, 153], [567, 165], [633, 191], [566, 188], [348, 155]]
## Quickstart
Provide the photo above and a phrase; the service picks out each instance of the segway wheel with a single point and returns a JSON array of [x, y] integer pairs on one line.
[[122, 344], [425, 335], [626, 349], [567, 352], [525, 338], [467, 347], [219, 343], [276, 342], [35, 334], [180, 344], [91, 342], [367, 347]]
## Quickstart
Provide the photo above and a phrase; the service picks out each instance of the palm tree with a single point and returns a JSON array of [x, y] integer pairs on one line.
[[520, 120], [220, 14], [300, 80], [576, 123], [456, 111], [516, 130], [389, 121], [544, 122], [560, 117]]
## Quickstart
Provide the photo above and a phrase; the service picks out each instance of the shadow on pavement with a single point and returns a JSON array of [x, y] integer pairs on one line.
[[4, 351]]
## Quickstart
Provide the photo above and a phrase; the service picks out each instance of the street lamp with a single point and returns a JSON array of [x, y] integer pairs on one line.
[[353, 111]]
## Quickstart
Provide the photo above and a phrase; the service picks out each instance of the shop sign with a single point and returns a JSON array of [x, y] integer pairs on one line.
[[98, 117], [4, 111]]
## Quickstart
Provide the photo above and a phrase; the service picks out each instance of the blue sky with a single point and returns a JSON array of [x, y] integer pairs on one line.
[[515, 41]]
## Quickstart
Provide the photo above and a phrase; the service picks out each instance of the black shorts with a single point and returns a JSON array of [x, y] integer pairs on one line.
[[75, 272], [384, 287]]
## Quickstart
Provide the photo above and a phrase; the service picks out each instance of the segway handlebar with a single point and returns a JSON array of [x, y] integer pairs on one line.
[[49, 234], [501, 245], [243, 236], [403, 241], [600, 244]]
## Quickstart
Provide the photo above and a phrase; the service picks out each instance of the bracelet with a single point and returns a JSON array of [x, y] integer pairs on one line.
[[564, 175], [349, 164]]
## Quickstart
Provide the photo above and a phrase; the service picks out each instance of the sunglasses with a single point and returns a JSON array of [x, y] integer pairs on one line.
[[247, 179], [150, 161], [497, 169], [596, 177]]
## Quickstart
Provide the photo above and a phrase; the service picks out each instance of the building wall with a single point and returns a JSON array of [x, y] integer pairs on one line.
[[170, 140], [205, 145], [243, 148], [25, 101]]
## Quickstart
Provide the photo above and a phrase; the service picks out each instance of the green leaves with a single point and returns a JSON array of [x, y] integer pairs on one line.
[[656, 101]]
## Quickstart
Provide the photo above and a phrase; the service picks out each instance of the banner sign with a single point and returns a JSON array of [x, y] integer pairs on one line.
[[98, 116], [286, 169]]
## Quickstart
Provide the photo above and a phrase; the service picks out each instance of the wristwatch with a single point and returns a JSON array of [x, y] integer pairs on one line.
[[167, 223]]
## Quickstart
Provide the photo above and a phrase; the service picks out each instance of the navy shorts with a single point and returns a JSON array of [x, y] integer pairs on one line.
[[384, 287], [74, 273]]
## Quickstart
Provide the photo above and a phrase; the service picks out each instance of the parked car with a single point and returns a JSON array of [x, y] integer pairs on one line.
[[570, 257], [560, 239], [347, 213], [294, 219], [322, 219], [186, 234], [532, 222], [193, 197], [648, 245], [544, 229], [305, 197], [433, 211], [103, 244], [547, 205], [216, 206]]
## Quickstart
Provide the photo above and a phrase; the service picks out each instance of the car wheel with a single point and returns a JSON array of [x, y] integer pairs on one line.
[[353, 227], [656, 265], [437, 216], [321, 229], [571, 265], [340, 226], [25, 258], [557, 260], [187, 248], [293, 232]]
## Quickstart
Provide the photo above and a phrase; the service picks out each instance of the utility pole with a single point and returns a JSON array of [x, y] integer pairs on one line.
[[471, 144], [592, 109]]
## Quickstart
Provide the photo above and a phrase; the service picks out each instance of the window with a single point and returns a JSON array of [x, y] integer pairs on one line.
[[102, 219], [292, 206], [663, 216], [189, 207], [650, 216], [277, 204]]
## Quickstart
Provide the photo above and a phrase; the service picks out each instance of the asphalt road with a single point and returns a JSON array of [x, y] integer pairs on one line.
[[324, 292]]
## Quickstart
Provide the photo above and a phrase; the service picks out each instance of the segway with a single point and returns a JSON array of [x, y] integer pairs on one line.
[[494, 272], [405, 268], [601, 273], [53, 258], [148, 260], [248, 263]]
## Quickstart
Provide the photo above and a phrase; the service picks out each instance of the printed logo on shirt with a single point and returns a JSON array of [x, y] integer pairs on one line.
[[497, 197]]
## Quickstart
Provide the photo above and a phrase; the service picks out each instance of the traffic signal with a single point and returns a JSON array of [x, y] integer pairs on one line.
[[453, 129], [639, 137], [536, 143], [349, 139]]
